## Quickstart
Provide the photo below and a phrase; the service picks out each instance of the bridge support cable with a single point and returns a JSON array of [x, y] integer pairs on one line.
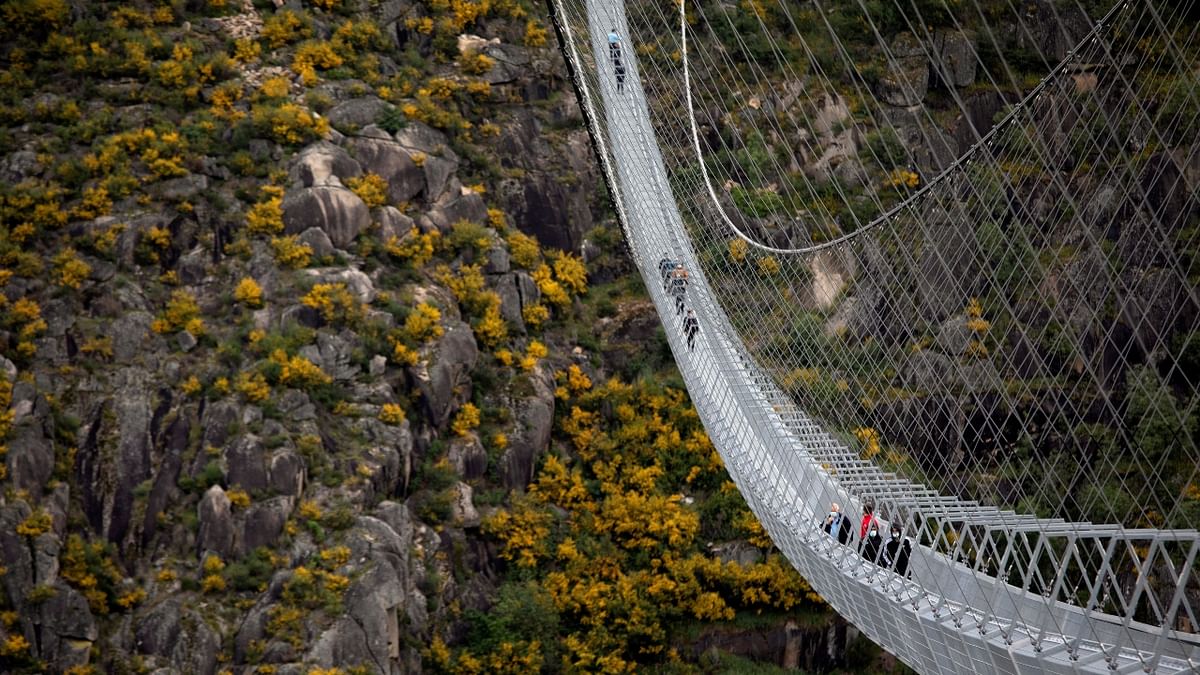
[[989, 590]]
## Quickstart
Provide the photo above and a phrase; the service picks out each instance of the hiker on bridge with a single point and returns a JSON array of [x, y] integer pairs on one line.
[[872, 544], [619, 73], [837, 525], [897, 551], [665, 267], [679, 283], [691, 326], [614, 45]]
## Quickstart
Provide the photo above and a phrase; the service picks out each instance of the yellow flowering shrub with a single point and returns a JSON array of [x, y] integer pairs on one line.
[[313, 56], [535, 315], [523, 530], [182, 313], [95, 203], [297, 371], [551, 289], [248, 292], [768, 265], [284, 27], [571, 273], [290, 252], [253, 386], [335, 302], [535, 34], [69, 270], [370, 188], [238, 497], [738, 249], [191, 386], [491, 329], [391, 413], [37, 523], [265, 217], [423, 323], [414, 247], [474, 63], [288, 123], [466, 421], [524, 250], [868, 439]]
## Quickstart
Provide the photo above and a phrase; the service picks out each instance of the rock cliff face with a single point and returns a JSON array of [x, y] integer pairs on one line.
[[243, 421]]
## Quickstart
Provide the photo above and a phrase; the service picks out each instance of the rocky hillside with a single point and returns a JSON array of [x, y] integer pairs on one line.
[[322, 353]]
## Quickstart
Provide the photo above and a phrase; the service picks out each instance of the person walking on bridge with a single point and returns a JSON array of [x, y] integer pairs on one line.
[[679, 282], [619, 73], [665, 267], [837, 525], [614, 45], [690, 327]]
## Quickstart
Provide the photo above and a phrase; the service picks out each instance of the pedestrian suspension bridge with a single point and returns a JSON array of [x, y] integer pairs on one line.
[[944, 262]]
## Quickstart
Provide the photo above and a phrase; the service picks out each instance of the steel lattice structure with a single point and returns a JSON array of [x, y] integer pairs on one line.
[[989, 589]]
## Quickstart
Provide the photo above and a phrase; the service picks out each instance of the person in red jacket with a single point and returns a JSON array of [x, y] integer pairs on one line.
[[867, 520]]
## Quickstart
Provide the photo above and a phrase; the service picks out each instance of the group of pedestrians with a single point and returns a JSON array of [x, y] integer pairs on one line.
[[675, 283], [894, 553], [614, 54]]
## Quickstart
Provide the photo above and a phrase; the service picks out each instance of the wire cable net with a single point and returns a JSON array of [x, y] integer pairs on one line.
[[941, 256]]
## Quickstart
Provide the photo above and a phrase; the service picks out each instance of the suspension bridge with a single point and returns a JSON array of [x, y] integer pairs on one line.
[[989, 346]]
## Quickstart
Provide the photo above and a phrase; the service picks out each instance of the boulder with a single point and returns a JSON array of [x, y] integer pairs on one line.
[[1159, 303], [468, 457], [438, 172], [30, 455], [462, 506], [17, 166], [65, 627], [392, 162], [357, 113], [534, 416], [244, 465], [338, 212], [216, 523], [157, 629], [457, 203], [511, 63], [497, 261], [928, 371], [420, 137], [947, 270], [830, 116], [954, 336], [15, 554], [323, 164], [954, 60], [193, 266], [510, 299], [356, 281], [295, 406], [907, 78], [287, 473], [114, 456], [332, 354], [392, 223], [130, 332], [264, 521], [445, 377], [318, 241], [370, 631], [181, 188]]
